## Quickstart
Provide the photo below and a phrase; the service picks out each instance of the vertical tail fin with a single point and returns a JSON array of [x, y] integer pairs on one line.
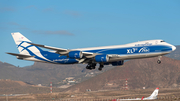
[[154, 94], [22, 44], [142, 98]]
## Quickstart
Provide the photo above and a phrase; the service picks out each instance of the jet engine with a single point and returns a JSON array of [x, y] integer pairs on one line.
[[118, 63], [75, 54], [101, 58]]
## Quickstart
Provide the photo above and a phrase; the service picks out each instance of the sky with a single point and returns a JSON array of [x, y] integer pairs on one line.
[[86, 23]]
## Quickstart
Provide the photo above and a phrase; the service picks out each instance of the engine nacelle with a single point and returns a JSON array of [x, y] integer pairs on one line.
[[101, 58], [118, 63], [75, 54]]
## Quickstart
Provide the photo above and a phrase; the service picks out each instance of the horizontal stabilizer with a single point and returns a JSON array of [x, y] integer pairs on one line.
[[20, 55]]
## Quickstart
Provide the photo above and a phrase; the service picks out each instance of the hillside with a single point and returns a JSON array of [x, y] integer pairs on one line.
[[8, 71], [44, 73], [140, 73], [18, 87]]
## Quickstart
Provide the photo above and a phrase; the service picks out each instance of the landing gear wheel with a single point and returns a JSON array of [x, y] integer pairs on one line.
[[89, 67], [101, 66], [159, 61], [99, 69], [93, 66]]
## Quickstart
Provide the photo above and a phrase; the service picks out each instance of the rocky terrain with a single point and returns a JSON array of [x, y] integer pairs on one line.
[[139, 73]]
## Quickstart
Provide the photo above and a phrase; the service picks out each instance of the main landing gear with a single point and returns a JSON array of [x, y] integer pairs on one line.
[[100, 67], [91, 66], [159, 60]]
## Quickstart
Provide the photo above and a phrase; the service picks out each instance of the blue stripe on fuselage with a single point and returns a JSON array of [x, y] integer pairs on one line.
[[57, 58]]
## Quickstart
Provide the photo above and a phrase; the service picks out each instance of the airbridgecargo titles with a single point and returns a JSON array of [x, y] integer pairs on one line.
[[106, 55]]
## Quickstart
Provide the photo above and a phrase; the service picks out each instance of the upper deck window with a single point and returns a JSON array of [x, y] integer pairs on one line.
[[162, 41]]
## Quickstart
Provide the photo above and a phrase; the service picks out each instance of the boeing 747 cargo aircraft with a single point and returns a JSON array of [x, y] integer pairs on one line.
[[106, 55]]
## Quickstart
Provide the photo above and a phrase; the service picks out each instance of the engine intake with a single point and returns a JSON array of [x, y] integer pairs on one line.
[[101, 58], [75, 54]]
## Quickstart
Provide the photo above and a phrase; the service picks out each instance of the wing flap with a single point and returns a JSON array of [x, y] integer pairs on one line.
[[89, 54]]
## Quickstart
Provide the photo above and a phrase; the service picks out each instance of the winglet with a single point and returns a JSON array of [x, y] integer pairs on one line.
[[157, 88]]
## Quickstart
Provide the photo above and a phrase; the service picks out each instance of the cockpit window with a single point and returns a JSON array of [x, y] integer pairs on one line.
[[162, 41]]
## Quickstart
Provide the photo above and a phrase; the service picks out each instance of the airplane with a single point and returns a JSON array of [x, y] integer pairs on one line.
[[105, 55], [153, 96]]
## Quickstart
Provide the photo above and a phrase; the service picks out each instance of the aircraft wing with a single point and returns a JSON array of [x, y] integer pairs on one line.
[[87, 55], [62, 51], [49, 47]]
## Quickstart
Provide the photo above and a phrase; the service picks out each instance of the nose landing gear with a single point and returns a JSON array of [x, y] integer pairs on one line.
[[159, 60]]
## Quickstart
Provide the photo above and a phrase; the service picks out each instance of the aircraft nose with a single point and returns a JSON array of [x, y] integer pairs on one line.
[[173, 48]]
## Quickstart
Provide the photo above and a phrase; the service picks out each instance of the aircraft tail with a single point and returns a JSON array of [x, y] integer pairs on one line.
[[142, 98], [154, 94], [22, 44]]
